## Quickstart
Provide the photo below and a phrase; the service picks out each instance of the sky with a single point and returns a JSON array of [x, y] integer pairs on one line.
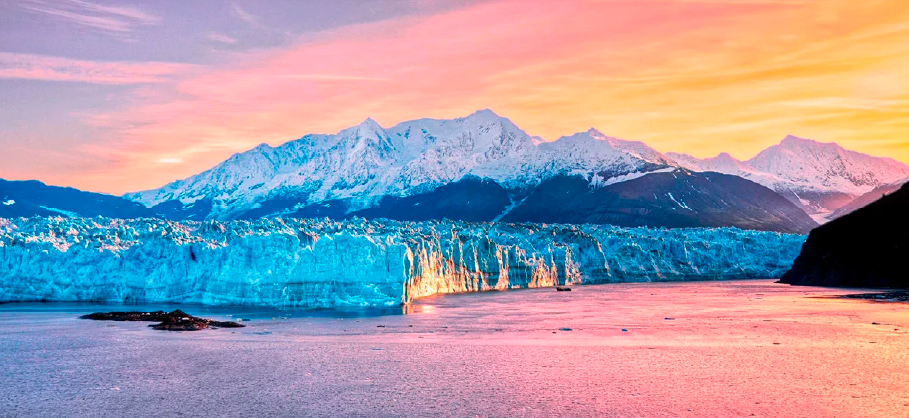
[[120, 96]]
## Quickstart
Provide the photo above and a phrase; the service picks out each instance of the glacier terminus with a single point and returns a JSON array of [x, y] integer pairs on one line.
[[313, 263]]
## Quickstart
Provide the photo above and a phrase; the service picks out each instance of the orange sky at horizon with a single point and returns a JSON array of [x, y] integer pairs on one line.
[[699, 77]]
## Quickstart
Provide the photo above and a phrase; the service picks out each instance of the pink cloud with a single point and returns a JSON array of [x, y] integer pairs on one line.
[[40, 67], [660, 71], [113, 19], [445, 65]]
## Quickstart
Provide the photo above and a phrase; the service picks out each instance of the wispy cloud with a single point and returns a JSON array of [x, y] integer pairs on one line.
[[330, 77], [241, 13], [117, 20], [42, 67], [220, 38]]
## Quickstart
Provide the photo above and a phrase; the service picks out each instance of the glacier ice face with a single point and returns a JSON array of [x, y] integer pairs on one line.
[[322, 263]]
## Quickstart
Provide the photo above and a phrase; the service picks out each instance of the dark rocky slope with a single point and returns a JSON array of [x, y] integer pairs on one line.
[[866, 248], [471, 199], [680, 199], [33, 198]]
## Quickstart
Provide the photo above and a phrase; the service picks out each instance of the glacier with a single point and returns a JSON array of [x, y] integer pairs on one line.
[[313, 263]]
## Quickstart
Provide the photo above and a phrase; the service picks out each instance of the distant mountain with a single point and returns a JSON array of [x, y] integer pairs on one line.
[[819, 177], [866, 248], [33, 198], [868, 198], [361, 166], [357, 165], [483, 167]]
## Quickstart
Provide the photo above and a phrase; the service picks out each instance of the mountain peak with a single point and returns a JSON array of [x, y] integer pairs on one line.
[[793, 138], [486, 112], [262, 147], [484, 116], [805, 164], [589, 136], [367, 128], [370, 123], [791, 141], [725, 156]]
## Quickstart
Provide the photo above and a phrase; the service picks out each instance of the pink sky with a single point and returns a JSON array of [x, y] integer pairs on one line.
[[699, 77]]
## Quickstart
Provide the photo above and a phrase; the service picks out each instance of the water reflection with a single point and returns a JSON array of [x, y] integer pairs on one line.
[[662, 349]]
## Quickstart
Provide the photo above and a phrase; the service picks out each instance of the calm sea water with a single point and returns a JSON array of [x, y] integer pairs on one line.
[[750, 348]]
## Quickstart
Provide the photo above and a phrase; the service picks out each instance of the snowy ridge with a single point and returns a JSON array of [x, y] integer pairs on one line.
[[358, 167], [819, 177], [308, 263], [798, 164], [827, 166], [367, 161]]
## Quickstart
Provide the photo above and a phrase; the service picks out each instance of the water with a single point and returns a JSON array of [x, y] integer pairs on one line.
[[688, 350]]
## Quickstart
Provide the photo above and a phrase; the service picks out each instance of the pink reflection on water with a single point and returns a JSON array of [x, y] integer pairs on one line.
[[709, 349]]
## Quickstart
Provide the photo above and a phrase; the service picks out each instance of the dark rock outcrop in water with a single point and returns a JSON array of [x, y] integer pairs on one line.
[[169, 321], [898, 296], [866, 248]]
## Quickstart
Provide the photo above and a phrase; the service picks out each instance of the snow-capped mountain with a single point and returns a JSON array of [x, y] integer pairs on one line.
[[827, 166], [819, 177], [359, 165], [482, 167], [597, 157]]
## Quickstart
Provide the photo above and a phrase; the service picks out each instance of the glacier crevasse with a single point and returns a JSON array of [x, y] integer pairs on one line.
[[322, 263]]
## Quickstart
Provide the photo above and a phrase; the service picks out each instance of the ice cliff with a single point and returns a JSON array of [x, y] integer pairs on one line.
[[322, 263]]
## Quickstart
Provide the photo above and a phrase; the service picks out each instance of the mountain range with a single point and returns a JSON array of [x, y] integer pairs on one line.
[[820, 178], [361, 165], [482, 167]]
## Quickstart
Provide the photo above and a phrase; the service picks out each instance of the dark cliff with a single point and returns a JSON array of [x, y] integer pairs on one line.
[[866, 248]]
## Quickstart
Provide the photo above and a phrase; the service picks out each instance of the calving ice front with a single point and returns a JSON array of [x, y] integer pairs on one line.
[[323, 263]]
